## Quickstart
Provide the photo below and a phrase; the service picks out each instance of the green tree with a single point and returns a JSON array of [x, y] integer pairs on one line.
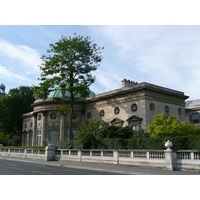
[[26, 93], [170, 126], [12, 107], [68, 67], [89, 134], [113, 131]]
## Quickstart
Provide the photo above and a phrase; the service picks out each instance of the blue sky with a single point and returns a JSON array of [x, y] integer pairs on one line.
[[168, 56]]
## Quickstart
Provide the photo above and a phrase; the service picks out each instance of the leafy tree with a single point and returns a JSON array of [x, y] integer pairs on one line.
[[12, 107], [5, 139], [68, 67], [26, 93], [113, 131], [89, 133], [170, 126]]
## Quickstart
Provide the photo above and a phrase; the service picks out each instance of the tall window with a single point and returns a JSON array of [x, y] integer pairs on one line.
[[53, 137]]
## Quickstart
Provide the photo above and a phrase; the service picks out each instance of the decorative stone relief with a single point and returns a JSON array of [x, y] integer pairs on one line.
[[116, 110], [102, 113], [134, 107], [152, 107], [53, 116], [39, 117], [167, 109]]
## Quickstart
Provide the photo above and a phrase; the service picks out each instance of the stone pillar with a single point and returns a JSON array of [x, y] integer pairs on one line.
[[170, 159], [23, 144], [34, 141], [28, 139], [50, 152], [44, 128], [116, 156], [62, 127]]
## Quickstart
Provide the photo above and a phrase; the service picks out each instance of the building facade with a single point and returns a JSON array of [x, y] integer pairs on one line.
[[134, 104], [192, 109]]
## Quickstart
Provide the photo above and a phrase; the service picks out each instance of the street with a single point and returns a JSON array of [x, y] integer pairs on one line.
[[12, 167], [19, 166]]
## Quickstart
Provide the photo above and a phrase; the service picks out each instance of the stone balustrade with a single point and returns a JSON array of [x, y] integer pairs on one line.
[[162, 159]]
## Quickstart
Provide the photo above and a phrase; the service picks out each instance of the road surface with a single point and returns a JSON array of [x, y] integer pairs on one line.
[[13, 167], [20, 166]]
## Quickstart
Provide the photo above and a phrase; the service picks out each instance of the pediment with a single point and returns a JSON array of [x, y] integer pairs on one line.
[[116, 121], [134, 118]]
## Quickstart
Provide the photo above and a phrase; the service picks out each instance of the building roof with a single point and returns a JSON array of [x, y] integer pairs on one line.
[[192, 103], [58, 94]]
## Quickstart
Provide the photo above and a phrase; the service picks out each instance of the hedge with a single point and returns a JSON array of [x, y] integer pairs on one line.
[[25, 147], [179, 143]]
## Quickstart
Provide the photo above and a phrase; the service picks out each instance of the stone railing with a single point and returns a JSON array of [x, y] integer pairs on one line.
[[23, 153], [162, 159]]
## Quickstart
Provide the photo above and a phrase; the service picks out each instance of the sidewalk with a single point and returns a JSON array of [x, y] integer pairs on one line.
[[105, 167]]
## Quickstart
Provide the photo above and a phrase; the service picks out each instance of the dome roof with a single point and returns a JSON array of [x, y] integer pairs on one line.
[[57, 93]]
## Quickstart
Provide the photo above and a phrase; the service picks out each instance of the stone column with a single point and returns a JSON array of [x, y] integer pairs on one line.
[[116, 156], [62, 127], [44, 128], [50, 152], [34, 141], [28, 139], [170, 159], [23, 143]]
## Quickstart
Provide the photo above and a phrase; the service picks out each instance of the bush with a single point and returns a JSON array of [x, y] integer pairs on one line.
[[151, 143], [5, 139], [65, 144], [170, 127], [113, 131], [186, 143], [145, 143], [112, 143]]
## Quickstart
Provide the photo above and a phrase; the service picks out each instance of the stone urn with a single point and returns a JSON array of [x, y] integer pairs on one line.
[[168, 144]]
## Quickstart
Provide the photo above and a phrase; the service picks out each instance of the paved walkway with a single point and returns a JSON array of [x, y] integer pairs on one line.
[[106, 167]]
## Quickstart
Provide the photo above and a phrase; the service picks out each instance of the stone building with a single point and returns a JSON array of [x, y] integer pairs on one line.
[[134, 104], [2, 90], [192, 109]]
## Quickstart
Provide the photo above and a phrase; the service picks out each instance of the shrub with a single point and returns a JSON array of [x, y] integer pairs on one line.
[[5, 139], [112, 143], [169, 127]]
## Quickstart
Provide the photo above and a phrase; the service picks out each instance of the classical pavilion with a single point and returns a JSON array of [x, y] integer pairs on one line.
[[134, 104]]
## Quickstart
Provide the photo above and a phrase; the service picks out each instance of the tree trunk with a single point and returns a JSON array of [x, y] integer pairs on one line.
[[70, 133]]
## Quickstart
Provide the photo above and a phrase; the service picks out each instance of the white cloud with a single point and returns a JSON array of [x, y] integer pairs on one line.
[[27, 58], [9, 75], [162, 55]]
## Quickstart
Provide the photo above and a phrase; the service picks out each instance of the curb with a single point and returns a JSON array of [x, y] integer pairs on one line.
[[72, 166]]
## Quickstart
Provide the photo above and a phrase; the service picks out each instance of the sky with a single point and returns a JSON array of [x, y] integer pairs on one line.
[[165, 55]]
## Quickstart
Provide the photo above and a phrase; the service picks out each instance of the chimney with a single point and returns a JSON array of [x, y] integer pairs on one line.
[[128, 83]]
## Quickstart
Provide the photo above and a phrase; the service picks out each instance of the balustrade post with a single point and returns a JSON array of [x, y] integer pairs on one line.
[[192, 155], [116, 156], [147, 154], [170, 160], [50, 152], [131, 154], [25, 153], [80, 155]]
